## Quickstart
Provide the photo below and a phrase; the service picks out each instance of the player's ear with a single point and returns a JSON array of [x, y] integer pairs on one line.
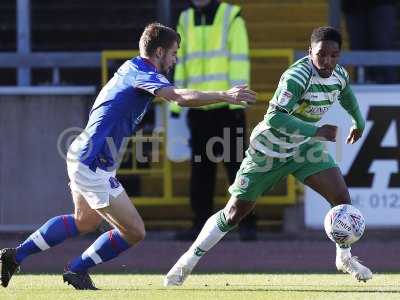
[[160, 52], [309, 50]]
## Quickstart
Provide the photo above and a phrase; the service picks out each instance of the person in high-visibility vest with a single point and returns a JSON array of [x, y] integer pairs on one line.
[[213, 55]]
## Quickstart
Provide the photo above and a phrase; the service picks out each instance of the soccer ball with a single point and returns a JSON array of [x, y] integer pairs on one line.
[[344, 224]]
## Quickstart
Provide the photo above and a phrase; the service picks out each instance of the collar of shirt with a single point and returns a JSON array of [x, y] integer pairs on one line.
[[149, 63]]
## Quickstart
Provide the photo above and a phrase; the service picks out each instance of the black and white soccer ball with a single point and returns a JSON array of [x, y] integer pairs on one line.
[[344, 224]]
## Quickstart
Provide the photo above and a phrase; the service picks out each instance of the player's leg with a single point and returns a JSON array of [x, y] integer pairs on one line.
[[128, 230], [331, 185], [235, 121], [50, 234], [86, 219], [251, 181], [213, 231], [58, 229]]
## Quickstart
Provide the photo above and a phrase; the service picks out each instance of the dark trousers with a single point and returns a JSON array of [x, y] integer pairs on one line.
[[216, 135]]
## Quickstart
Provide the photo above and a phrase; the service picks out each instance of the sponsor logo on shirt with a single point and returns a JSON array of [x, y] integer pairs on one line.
[[317, 110], [284, 97]]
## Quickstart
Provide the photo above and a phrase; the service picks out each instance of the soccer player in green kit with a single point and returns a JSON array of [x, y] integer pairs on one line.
[[287, 142]]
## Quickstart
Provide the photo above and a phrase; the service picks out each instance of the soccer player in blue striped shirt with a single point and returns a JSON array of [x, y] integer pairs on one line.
[[94, 155]]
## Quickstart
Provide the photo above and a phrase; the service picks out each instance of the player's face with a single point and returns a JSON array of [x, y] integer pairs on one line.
[[169, 59], [325, 56]]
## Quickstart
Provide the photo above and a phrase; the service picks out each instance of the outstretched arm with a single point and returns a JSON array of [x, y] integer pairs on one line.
[[192, 98]]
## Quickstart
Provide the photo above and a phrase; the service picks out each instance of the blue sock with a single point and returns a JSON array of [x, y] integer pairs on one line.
[[107, 246], [53, 232]]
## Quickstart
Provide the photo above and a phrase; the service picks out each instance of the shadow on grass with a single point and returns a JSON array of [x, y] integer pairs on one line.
[[393, 290]]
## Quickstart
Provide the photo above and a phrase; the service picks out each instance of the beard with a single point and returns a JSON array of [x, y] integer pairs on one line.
[[164, 68], [325, 73]]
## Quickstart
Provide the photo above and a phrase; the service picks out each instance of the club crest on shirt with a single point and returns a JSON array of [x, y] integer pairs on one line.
[[243, 182], [114, 183], [334, 96], [284, 97]]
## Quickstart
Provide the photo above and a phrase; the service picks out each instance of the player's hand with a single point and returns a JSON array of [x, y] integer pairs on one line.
[[240, 94], [327, 133], [354, 135]]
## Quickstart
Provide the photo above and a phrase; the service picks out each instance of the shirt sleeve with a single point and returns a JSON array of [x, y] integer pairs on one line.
[[282, 120], [289, 91], [151, 82], [349, 102]]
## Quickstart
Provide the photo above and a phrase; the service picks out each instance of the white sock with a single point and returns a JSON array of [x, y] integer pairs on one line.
[[343, 252], [209, 236]]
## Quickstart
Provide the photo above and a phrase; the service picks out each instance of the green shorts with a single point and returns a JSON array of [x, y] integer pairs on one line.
[[259, 173]]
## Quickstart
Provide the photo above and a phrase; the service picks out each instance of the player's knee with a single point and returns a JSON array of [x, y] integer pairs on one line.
[[233, 220], [140, 234], [236, 210], [341, 198], [134, 233], [135, 237], [86, 225], [235, 215]]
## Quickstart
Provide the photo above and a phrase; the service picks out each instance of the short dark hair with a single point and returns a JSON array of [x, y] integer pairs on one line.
[[326, 33], [157, 35]]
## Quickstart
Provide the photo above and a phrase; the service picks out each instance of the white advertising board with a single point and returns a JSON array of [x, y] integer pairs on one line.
[[371, 166]]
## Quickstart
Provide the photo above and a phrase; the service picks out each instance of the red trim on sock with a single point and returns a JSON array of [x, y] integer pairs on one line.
[[64, 218], [114, 243]]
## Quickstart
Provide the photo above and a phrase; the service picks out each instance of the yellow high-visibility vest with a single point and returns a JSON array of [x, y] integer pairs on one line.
[[212, 57]]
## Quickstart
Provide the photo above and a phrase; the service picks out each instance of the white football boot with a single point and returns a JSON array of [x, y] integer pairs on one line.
[[180, 271], [351, 265]]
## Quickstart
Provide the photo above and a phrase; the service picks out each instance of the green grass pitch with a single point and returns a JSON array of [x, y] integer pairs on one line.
[[213, 286]]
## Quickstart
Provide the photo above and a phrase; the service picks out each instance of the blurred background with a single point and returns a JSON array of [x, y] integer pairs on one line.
[[56, 55]]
